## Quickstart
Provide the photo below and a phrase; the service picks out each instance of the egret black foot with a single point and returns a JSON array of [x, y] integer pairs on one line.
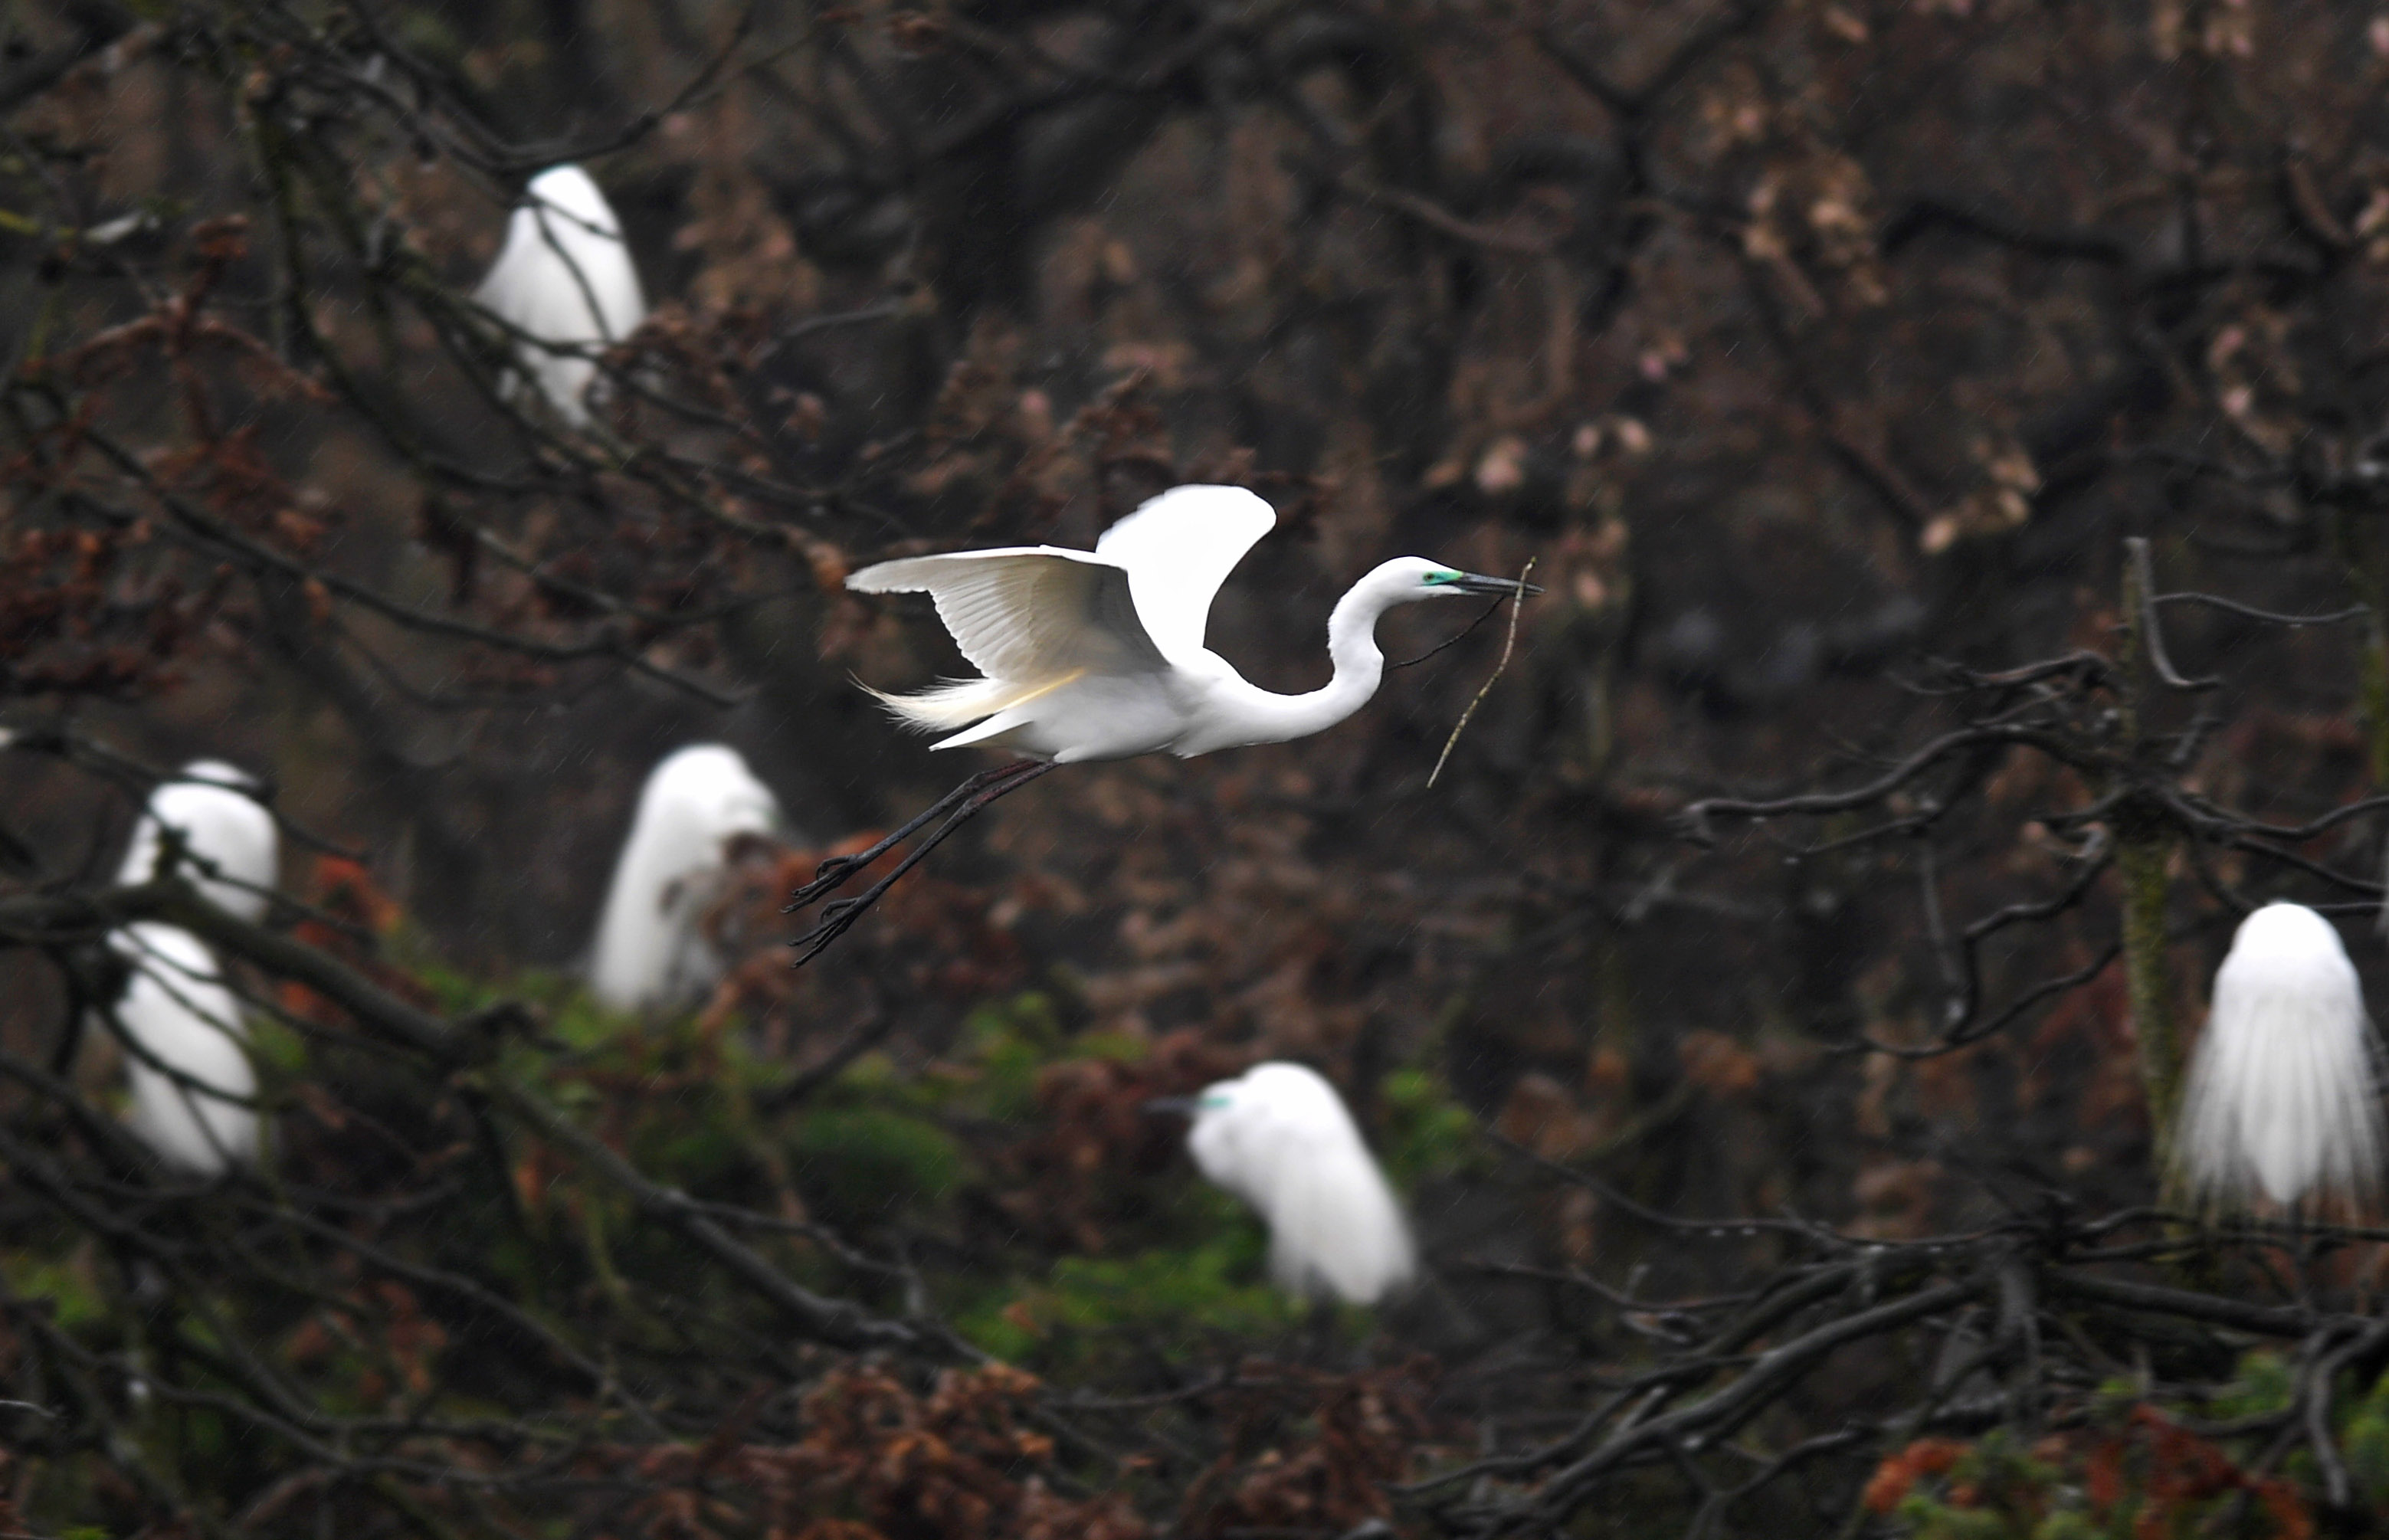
[[960, 805]]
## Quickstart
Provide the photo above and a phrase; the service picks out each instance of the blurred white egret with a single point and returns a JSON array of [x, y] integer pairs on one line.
[[1099, 656], [1279, 1138], [2281, 1102], [183, 1026], [236, 851], [650, 951], [565, 279], [193, 1087]]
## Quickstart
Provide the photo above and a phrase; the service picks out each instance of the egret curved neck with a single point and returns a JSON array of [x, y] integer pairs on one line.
[[1270, 718]]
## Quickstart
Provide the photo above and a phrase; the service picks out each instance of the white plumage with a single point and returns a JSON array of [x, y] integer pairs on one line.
[[1279, 1138], [223, 826], [193, 1087], [565, 279], [2280, 1103], [1099, 655], [650, 952]]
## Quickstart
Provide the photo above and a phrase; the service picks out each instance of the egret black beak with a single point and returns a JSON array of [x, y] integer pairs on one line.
[[1477, 582], [1184, 1106]]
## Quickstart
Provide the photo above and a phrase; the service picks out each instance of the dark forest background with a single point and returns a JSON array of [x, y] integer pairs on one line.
[[1758, 1015]]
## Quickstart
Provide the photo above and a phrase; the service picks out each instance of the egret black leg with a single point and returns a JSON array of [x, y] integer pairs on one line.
[[834, 873], [960, 805]]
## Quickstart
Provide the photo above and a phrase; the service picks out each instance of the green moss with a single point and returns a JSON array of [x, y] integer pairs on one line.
[[2366, 1443], [2067, 1524], [1009, 1043], [1426, 1132], [1931, 1521], [1176, 1300], [66, 1282], [858, 1164], [278, 1049], [2264, 1382]]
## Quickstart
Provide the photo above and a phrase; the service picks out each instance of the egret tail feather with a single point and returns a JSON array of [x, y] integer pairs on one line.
[[958, 703]]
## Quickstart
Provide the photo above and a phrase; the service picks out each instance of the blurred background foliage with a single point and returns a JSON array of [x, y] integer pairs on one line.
[[1784, 1174]]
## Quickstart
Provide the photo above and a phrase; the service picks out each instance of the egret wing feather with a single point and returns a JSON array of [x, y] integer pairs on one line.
[[1028, 615], [193, 1088], [1178, 549], [1334, 1224]]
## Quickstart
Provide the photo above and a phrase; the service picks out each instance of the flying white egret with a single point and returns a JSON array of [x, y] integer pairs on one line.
[[2281, 1104], [1099, 656], [565, 280], [234, 850], [193, 1087], [1279, 1138], [650, 952]]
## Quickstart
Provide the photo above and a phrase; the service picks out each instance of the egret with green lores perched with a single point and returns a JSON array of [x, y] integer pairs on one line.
[[1100, 655], [1279, 1138], [2282, 1108]]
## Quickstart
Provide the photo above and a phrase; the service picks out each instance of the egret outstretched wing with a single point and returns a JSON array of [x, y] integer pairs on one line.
[[1028, 614], [1178, 549]]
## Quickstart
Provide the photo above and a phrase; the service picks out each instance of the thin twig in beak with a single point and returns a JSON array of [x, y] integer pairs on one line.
[[1508, 643]]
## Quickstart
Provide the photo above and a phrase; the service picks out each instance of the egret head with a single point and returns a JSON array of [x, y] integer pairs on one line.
[[567, 190], [223, 828], [713, 793], [1407, 578]]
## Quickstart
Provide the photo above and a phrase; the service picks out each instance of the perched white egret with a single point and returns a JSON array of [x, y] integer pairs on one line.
[[565, 279], [183, 1028], [2280, 1103], [1279, 1138], [215, 808], [650, 952], [1099, 656], [193, 1087]]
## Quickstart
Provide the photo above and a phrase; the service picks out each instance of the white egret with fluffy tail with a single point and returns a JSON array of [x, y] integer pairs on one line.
[[2281, 1106]]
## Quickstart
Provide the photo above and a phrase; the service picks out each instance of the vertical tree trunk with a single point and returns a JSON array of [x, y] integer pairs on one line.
[[2140, 861], [2143, 845]]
